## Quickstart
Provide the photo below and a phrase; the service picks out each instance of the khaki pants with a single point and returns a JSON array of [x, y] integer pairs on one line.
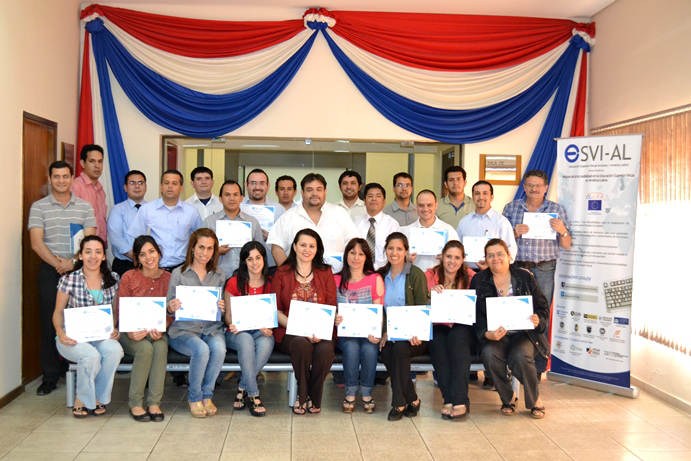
[[150, 358]]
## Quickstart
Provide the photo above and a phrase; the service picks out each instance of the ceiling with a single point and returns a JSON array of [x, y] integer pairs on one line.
[[567, 9]]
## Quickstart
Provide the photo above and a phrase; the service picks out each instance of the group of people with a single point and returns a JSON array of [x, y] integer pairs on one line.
[[160, 245]]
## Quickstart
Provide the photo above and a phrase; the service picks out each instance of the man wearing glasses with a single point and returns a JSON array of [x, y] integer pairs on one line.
[[120, 218], [256, 189], [455, 205], [402, 209]]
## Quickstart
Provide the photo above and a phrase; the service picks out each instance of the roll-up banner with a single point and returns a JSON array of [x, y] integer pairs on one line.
[[591, 321]]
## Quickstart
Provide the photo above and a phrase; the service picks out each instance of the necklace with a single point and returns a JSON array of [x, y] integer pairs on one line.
[[305, 277]]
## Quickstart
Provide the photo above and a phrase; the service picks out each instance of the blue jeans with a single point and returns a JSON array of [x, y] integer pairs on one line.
[[254, 350], [545, 280], [359, 365], [96, 365], [207, 354]]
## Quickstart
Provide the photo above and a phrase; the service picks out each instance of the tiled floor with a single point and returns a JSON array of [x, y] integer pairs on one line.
[[581, 425]]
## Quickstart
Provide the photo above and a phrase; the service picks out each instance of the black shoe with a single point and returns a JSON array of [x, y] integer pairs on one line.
[[157, 417], [488, 383], [46, 388], [395, 414], [473, 376], [180, 380], [539, 377], [411, 409], [143, 418], [380, 381]]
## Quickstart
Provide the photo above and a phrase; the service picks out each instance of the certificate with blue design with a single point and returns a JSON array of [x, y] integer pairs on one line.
[[233, 233], [145, 313], [198, 303], [539, 227], [86, 324], [76, 237], [454, 306], [427, 241], [335, 261], [253, 312], [262, 213], [404, 322], [360, 320], [307, 319], [474, 248], [510, 312]]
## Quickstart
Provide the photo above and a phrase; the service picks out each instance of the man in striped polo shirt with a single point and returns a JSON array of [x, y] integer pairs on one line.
[[56, 223]]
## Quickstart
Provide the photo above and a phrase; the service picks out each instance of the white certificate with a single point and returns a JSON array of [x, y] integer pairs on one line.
[[426, 241], [84, 324], [307, 319], [262, 213], [198, 303], [511, 312], [538, 225], [454, 306], [76, 237], [335, 261], [474, 248], [233, 233], [360, 320], [404, 322], [254, 312], [142, 314]]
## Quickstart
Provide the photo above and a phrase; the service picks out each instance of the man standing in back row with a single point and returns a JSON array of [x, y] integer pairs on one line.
[[456, 205], [350, 183], [402, 209], [203, 199], [256, 190], [87, 187], [120, 219]]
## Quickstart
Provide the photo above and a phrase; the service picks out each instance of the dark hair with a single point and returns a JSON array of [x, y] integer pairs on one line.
[[318, 261], [132, 173], [58, 165], [374, 185], [310, 177], [194, 238], [243, 274], [285, 177], [393, 236], [402, 174], [182, 180], [462, 278], [83, 154], [492, 242], [481, 182], [229, 182], [537, 174], [453, 169], [258, 170], [139, 243], [108, 278], [201, 170], [426, 191], [348, 174], [368, 268]]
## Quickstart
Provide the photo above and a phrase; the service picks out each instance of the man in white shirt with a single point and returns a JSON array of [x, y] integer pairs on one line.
[[120, 218], [256, 190], [203, 200], [485, 221], [426, 209], [286, 188], [331, 222], [350, 183], [375, 226]]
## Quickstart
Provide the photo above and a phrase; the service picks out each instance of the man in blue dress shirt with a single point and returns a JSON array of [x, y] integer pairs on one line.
[[120, 219]]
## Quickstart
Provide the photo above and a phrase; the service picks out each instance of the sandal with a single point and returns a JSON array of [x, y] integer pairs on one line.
[[508, 409], [239, 403], [456, 415], [100, 410], [255, 405], [369, 405], [298, 409], [537, 412], [80, 412], [314, 410], [412, 408], [446, 411], [210, 408], [197, 409], [348, 406]]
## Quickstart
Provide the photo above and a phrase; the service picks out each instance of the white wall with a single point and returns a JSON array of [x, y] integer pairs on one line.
[[39, 46]]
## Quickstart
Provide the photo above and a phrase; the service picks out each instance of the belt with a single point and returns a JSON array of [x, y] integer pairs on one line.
[[531, 264]]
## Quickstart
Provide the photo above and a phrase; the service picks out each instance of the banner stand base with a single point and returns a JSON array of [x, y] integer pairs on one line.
[[631, 392]]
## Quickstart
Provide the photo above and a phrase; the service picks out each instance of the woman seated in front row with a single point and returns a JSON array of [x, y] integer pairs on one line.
[[358, 283], [452, 343], [202, 341], [405, 285], [254, 346], [148, 347], [515, 349], [91, 283]]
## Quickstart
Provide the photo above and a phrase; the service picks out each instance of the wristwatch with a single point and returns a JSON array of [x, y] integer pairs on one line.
[[565, 234], [74, 261]]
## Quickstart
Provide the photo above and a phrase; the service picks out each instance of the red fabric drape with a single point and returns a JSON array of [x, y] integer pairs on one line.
[[199, 38], [578, 123], [85, 125], [449, 42]]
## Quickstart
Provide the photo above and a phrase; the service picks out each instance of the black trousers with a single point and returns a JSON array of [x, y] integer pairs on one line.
[[48, 279], [311, 363], [396, 357], [120, 266], [450, 351]]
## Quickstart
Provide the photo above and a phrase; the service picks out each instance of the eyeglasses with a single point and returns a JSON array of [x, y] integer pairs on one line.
[[257, 183], [136, 183], [534, 186], [400, 184]]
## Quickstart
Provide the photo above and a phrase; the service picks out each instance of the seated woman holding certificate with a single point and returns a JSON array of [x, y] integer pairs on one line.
[[405, 285], [148, 347], [513, 348], [359, 284], [201, 340], [305, 277], [452, 342], [91, 283], [254, 346]]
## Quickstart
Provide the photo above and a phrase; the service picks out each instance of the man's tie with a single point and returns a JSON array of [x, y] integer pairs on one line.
[[370, 237], [137, 206]]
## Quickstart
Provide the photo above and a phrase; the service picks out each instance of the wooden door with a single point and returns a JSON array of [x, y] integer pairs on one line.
[[39, 151]]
